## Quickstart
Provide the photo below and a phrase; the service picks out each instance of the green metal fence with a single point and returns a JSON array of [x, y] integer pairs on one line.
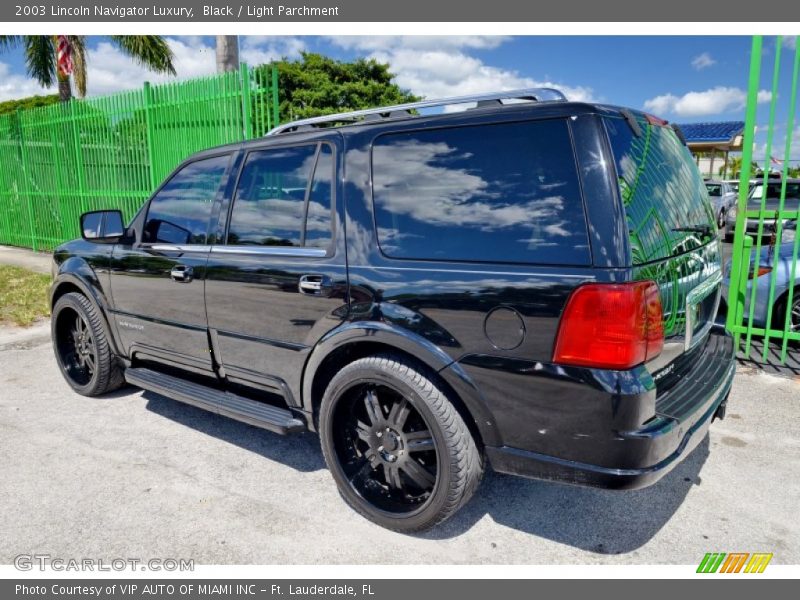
[[759, 307], [112, 151]]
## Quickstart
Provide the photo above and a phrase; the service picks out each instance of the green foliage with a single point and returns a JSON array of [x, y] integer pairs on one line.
[[735, 168], [23, 296], [318, 85], [10, 106], [794, 172]]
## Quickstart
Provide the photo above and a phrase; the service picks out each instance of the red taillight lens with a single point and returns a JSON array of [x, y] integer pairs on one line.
[[611, 326], [761, 272]]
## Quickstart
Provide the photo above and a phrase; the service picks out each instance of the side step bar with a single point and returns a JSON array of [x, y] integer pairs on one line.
[[230, 405]]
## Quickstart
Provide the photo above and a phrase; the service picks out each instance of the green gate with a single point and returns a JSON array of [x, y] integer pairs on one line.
[[763, 300], [112, 151]]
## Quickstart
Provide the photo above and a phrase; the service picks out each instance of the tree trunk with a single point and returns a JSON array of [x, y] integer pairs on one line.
[[227, 53], [64, 89]]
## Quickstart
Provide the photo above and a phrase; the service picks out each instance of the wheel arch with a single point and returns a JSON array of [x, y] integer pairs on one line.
[[76, 280], [358, 340]]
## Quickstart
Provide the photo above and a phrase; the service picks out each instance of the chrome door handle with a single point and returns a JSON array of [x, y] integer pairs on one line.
[[315, 285], [182, 273]]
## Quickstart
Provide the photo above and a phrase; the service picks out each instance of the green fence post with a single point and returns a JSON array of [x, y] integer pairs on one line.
[[147, 95], [244, 80], [736, 293], [26, 175], [275, 101]]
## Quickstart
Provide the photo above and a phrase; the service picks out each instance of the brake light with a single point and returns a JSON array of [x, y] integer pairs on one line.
[[611, 326], [657, 121], [761, 271]]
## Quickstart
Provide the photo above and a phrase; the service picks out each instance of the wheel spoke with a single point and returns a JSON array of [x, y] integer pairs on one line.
[[362, 431], [419, 441], [399, 413], [392, 474], [418, 474], [89, 362], [374, 411]]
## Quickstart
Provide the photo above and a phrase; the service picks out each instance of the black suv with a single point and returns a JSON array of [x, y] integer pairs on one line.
[[528, 283]]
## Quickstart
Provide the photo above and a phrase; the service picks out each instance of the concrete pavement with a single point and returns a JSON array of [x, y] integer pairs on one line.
[[22, 257]]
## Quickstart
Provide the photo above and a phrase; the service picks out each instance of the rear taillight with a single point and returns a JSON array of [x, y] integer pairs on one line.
[[761, 272], [611, 326]]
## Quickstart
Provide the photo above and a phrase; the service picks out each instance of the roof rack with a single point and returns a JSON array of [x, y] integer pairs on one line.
[[404, 110]]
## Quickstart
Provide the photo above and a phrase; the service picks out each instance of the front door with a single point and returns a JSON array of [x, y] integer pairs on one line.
[[280, 281], [157, 282]]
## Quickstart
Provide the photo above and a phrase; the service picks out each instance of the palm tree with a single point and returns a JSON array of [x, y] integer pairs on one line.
[[227, 53], [150, 51]]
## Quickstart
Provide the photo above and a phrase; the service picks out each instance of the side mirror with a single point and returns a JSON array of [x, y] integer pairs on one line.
[[102, 226]]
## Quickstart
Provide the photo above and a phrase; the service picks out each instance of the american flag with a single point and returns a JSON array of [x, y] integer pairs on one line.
[[775, 161], [64, 56]]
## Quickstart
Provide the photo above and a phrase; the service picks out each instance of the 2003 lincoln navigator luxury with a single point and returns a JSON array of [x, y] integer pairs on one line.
[[529, 284]]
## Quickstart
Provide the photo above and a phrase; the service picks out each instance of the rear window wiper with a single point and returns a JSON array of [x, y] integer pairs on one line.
[[704, 230]]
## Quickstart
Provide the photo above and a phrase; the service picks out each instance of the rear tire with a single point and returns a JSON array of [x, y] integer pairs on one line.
[[399, 451], [82, 349]]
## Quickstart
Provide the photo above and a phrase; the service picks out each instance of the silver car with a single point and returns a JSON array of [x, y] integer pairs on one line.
[[723, 198], [771, 202]]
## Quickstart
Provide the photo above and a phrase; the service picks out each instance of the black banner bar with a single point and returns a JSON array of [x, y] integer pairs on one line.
[[265, 11]]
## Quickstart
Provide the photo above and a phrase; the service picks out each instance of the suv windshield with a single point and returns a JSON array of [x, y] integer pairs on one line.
[[665, 198], [774, 191], [714, 189]]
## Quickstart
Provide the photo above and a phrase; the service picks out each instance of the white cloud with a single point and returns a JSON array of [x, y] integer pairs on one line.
[[440, 66], [703, 61], [18, 85], [713, 101]]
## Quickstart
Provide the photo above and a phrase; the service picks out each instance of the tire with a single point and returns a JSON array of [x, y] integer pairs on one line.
[[78, 334], [721, 219], [386, 406], [779, 318]]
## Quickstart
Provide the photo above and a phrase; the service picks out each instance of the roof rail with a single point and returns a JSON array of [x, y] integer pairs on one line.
[[530, 94]]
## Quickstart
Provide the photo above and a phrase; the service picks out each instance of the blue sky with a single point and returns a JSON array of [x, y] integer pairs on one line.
[[683, 79]]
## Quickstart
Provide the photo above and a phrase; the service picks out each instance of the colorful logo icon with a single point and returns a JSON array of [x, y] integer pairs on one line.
[[734, 562]]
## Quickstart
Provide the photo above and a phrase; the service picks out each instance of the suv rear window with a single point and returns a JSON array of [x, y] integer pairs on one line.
[[493, 193], [661, 188]]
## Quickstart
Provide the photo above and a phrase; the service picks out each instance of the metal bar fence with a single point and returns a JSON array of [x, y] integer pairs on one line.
[[112, 151], [764, 291]]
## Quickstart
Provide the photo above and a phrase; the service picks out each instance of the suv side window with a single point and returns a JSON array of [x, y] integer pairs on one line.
[[492, 193], [283, 198], [179, 212]]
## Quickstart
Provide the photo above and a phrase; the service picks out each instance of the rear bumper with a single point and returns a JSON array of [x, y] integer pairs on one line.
[[609, 456]]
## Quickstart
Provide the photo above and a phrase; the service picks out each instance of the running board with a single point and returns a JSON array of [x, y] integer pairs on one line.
[[230, 405]]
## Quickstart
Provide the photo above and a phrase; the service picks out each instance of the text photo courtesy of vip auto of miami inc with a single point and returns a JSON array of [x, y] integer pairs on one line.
[[397, 300]]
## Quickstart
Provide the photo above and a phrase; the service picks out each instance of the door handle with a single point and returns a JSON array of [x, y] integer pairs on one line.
[[315, 285], [182, 273]]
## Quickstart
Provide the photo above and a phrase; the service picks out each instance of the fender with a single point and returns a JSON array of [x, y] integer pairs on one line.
[[410, 343], [77, 272]]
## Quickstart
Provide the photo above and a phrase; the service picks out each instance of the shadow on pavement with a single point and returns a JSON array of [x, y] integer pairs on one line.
[[601, 521], [299, 451]]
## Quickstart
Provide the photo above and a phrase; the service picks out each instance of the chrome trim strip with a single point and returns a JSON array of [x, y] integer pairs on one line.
[[539, 94], [177, 248], [270, 251]]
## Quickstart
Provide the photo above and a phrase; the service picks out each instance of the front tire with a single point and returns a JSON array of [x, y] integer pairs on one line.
[[779, 318], [399, 451], [82, 349]]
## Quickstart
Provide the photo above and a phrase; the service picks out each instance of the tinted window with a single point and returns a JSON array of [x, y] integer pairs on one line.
[[498, 193], [774, 191], [318, 225], [270, 206], [661, 188], [179, 212], [714, 189]]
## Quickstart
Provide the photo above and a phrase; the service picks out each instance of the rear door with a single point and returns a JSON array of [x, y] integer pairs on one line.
[[279, 281], [673, 237]]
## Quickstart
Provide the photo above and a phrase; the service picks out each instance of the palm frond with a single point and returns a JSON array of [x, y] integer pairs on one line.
[[150, 51], [40, 58], [9, 41], [79, 63]]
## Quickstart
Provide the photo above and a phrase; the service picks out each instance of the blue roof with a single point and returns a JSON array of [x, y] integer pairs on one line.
[[723, 131]]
